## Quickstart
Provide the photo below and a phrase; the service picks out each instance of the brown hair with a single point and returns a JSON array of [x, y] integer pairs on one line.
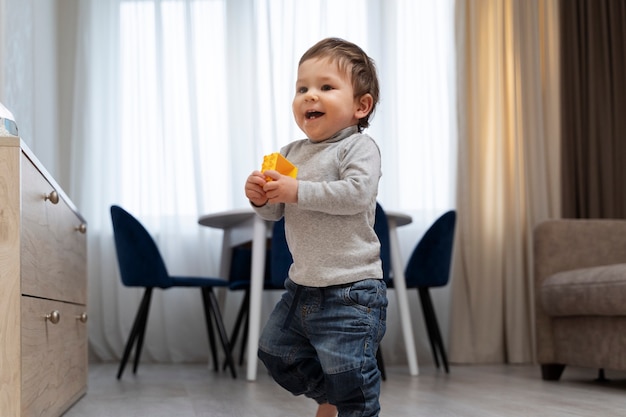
[[350, 56]]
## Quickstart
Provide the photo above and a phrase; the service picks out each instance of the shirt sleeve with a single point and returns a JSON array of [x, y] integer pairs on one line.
[[356, 186], [271, 212]]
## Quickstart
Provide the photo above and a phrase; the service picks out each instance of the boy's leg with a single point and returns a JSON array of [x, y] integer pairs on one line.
[[346, 332], [286, 352], [326, 410], [342, 329]]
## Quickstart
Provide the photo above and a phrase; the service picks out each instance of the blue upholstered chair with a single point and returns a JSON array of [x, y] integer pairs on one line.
[[428, 267], [381, 227], [141, 265]]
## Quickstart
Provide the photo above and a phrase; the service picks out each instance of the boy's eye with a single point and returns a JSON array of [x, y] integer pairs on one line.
[[326, 87], [302, 90]]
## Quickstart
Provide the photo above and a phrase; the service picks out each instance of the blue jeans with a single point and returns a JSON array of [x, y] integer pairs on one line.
[[325, 346]]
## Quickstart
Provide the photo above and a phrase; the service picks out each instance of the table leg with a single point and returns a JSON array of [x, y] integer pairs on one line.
[[401, 294], [256, 293]]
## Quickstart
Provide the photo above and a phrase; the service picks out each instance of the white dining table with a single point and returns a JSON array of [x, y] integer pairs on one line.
[[243, 225]]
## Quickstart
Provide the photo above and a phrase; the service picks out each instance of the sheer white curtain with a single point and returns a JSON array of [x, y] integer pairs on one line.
[[177, 101]]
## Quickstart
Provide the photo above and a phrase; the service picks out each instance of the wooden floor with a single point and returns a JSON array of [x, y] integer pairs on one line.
[[194, 390]]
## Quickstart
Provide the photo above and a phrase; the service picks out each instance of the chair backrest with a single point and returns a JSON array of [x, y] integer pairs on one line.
[[280, 258], [381, 227], [138, 256], [241, 263], [429, 264]]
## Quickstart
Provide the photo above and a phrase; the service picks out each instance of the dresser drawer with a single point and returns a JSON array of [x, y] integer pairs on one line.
[[43, 269], [53, 243], [54, 356]]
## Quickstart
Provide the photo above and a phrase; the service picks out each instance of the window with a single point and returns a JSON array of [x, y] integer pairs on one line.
[[205, 90]]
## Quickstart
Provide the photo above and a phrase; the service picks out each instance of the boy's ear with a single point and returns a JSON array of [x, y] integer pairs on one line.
[[364, 107]]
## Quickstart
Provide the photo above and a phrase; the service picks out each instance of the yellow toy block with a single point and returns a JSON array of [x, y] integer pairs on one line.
[[275, 161]]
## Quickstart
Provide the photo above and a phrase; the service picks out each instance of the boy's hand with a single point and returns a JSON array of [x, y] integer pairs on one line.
[[282, 188], [254, 189]]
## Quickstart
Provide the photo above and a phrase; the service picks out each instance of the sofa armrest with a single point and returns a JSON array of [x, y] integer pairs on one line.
[[565, 245]]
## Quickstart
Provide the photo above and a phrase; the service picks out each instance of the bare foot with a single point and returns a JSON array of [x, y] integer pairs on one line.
[[326, 410]]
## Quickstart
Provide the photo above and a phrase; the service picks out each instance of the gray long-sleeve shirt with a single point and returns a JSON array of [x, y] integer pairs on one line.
[[330, 231]]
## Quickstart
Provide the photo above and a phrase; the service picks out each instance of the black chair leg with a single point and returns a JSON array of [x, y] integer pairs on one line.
[[427, 313], [431, 322], [138, 330], [209, 328], [244, 336], [442, 350], [237, 327], [381, 363], [211, 301], [241, 315], [141, 335]]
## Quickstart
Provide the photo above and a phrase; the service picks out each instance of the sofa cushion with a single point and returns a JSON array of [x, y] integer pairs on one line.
[[597, 291]]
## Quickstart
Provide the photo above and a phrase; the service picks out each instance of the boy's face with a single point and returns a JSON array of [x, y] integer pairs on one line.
[[324, 102]]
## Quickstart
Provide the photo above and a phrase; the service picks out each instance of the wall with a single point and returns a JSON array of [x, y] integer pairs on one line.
[[67, 21], [37, 39]]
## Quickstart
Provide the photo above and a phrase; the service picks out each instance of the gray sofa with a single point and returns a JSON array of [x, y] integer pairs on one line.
[[580, 295]]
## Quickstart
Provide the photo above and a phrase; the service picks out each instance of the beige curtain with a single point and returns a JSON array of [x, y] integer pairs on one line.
[[508, 86]]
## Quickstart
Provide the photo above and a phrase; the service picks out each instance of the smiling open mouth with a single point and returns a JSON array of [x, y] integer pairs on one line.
[[313, 114]]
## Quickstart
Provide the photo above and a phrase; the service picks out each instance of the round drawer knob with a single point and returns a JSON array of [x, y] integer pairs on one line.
[[54, 317], [82, 318], [82, 228], [53, 197]]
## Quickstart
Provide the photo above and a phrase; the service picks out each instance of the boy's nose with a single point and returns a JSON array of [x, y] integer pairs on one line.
[[311, 97]]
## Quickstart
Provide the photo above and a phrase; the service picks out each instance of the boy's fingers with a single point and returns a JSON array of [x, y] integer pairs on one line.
[[271, 174]]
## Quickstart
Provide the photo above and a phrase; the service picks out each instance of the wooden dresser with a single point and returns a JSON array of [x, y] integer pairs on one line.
[[43, 289]]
